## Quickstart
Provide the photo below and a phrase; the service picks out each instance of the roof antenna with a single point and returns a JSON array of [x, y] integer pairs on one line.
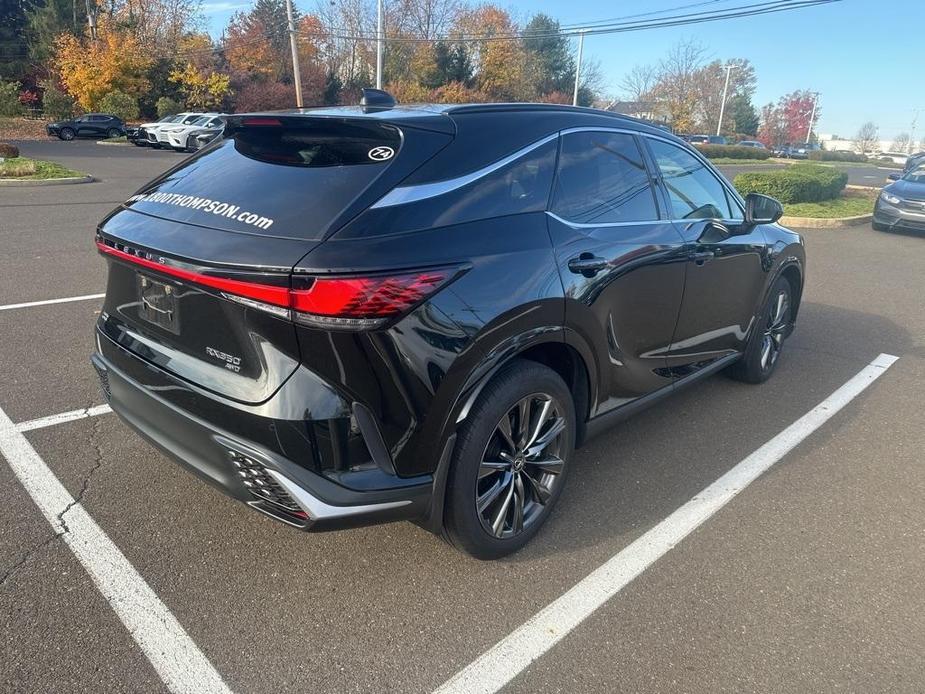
[[376, 99]]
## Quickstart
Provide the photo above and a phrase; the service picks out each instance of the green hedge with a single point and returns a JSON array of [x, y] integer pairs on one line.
[[823, 155], [732, 152], [797, 183]]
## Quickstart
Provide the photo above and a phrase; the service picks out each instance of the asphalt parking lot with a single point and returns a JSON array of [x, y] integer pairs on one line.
[[811, 579]]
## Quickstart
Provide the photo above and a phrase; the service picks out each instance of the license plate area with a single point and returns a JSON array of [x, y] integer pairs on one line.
[[158, 304]]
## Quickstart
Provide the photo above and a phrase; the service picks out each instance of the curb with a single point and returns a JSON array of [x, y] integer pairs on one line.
[[114, 144], [46, 182], [838, 223]]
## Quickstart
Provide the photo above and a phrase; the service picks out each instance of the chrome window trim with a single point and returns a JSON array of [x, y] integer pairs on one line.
[[423, 191], [603, 225]]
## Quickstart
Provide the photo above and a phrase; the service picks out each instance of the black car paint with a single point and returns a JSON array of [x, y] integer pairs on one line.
[[88, 125], [368, 417]]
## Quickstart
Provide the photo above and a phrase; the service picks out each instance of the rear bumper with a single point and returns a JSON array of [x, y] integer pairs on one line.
[[248, 471]]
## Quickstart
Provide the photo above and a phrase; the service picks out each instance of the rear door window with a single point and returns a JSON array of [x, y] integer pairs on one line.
[[602, 179]]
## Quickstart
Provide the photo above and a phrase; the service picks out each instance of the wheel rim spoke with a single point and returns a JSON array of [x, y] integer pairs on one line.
[[540, 491], [557, 427], [523, 421], [766, 352], [551, 464], [504, 428], [517, 524], [541, 419], [490, 467], [491, 495], [497, 525]]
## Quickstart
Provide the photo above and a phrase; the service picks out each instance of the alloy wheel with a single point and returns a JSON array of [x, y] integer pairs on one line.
[[773, 341], [521, 466]]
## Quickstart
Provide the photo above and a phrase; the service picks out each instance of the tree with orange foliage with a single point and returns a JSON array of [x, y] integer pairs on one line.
[[89, 70], [500, 63]]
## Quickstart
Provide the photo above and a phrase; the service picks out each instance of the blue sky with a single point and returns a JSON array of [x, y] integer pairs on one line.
[[864, 57]]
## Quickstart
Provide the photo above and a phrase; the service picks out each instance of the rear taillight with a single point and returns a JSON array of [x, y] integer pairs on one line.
[[361, 302], [351, 303]]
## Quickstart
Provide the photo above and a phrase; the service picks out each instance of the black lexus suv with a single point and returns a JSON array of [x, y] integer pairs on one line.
[[355, 315]]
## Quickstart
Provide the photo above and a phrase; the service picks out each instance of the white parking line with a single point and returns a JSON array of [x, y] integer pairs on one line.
[[46, 302], [178, 661], [63, 418], [510, 656]]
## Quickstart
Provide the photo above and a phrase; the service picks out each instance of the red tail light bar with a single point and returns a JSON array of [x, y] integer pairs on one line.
[[344, 302]]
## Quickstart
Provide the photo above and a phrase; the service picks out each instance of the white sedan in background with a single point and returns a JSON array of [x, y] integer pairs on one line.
[[183, 137]]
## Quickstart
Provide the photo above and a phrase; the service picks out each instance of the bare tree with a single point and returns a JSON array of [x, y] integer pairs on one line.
[[901, 143], [676, 83], [867, 138], [639, 82]]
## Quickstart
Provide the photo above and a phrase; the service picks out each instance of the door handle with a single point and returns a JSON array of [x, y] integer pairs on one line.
[[701, 257], [587, 265]]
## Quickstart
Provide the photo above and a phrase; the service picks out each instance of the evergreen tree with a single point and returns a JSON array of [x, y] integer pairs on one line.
[[551, 59], [744, 115]]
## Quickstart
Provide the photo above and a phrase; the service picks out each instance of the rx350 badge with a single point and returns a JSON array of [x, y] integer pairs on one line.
[[232, 363]]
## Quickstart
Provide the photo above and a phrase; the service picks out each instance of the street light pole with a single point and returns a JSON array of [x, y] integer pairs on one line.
[[293, 42], [581, 45], [812, 116], [379, 42], [722, 107], [915, 120]]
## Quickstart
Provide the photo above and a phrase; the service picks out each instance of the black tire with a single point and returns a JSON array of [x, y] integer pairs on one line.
[[67, 134], [537, 459], [767, 339], [113, 132]]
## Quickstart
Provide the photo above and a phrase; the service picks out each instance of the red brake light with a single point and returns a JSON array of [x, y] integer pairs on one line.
[[367, 297], [262, 121], [345, 302]]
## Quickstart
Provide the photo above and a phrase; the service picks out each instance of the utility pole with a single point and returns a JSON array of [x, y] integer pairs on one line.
[[379, 46], [812, 116], [293, 42], [581, 45], [722, 107]]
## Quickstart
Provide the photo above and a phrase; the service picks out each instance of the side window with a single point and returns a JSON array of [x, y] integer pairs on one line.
[[602, 179], [693, 190], [98, 119]]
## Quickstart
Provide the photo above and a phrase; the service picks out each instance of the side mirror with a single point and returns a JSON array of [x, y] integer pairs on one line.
[[761, 209], [893, 176]]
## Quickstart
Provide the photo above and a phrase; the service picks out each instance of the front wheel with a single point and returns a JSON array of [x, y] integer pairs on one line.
[[767, 340], [67, 134], [113, 132], [510, 461]]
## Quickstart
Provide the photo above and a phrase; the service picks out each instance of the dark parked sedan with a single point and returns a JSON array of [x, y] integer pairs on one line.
[[901, 204], [87, 125], [357, 315]]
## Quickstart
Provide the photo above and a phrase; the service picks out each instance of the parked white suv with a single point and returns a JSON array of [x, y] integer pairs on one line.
[[183, 137], [158, 138]]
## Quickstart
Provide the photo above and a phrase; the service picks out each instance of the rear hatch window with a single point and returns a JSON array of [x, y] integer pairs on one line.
[[275, 176]]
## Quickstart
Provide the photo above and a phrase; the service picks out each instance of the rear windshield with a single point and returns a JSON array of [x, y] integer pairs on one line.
[[275, 180]]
